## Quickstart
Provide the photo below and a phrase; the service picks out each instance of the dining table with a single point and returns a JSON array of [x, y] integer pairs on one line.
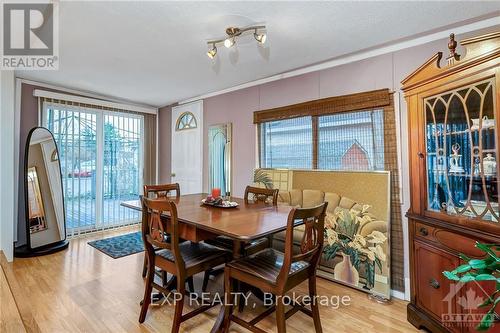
[[242, 223]]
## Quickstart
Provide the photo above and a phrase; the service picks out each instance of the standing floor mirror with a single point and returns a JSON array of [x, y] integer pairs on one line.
[[43, 196]]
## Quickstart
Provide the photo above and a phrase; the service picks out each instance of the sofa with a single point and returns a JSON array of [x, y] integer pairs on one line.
[[311, 198]]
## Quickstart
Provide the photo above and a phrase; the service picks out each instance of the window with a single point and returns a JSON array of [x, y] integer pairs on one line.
[[346, 141], [101, 154], [286, 143], [185, 121], [351, 141]]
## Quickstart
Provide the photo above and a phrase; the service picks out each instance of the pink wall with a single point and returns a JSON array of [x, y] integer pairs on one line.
[[164, 147], [384, 71]]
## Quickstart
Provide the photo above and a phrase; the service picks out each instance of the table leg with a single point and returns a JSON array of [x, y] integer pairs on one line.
[[237, 253]]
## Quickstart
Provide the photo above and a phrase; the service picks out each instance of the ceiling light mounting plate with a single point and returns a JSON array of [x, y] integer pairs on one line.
[[233, 31]]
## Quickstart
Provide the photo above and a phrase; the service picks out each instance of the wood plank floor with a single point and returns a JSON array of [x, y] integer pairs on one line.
[[10, 319], [84, 290]]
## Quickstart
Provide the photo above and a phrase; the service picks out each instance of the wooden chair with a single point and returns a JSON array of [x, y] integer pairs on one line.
[[183, 260], [253, 195], [159, 191], [276, 273]]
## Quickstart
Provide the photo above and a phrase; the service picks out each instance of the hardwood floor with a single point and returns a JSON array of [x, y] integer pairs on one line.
[[84, 290], [10, 319]]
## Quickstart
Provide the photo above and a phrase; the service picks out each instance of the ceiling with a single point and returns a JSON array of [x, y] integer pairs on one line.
[[154, 53]]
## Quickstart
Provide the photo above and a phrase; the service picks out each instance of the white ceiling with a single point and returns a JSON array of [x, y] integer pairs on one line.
[[155, 52]]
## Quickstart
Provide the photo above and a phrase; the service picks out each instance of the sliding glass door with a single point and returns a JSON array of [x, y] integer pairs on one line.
[[101, 160]]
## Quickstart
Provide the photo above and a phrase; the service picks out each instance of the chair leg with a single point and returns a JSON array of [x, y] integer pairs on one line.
[[241, 301], [145, 265], [206, 277], [147, 293], [179, 305], [280, 315], [228, 290], [314, 304], [191, 284]]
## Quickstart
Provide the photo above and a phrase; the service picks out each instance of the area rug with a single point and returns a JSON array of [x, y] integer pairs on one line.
[[120, 246]]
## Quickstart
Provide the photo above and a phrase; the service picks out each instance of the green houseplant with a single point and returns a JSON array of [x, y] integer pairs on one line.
[[486, 269], [262, 177]]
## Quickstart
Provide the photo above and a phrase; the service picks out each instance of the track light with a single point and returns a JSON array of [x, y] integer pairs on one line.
[[232, 33], [229, 42], [212, 52], [261, 38]]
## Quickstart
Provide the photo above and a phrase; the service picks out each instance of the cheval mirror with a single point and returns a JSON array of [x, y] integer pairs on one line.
[[43, 196], [219, 158]]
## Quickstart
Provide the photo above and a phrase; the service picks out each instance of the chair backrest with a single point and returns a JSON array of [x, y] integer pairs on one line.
[[156, 232], [311, 244], [162, 191], [261, 195]]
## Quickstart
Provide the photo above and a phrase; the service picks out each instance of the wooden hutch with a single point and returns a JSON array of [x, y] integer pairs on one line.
[[453, 112]]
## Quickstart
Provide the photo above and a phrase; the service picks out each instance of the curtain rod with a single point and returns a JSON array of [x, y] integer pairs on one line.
[[93, 101]]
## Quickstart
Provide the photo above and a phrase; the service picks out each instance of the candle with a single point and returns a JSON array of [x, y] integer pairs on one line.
[[216, 192]]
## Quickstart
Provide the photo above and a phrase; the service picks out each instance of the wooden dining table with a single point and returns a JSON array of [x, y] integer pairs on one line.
[[244, 223]]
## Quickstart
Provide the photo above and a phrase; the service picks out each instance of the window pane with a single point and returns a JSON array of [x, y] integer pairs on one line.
[[351, 141], [286, 144], [122, 151], [75, 134]]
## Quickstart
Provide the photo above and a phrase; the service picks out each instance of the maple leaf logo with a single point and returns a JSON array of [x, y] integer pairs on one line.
[[471, 301]]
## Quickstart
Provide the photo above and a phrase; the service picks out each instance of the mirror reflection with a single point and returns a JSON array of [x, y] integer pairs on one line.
[[44, 192]]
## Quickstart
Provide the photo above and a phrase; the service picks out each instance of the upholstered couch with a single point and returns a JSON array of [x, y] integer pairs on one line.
[[311, 198]]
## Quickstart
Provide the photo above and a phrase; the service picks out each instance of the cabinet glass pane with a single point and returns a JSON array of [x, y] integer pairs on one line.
[[462, 153]]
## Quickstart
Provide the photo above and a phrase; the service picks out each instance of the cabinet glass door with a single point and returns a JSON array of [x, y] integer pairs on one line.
[[462, 153]]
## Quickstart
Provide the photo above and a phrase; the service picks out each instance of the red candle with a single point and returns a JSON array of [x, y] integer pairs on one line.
[[215, 192]]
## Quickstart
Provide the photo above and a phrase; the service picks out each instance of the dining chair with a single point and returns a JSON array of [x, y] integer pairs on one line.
[[276, 273], [183, 260], [159, 191], [253, 195]]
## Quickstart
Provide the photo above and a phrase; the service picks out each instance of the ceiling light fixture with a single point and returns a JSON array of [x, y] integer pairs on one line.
[[212, 52], [261, 38], [233, 32]]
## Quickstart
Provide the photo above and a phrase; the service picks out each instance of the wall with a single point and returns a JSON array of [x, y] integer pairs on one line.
[[28, 120], [7, 211], [384, 71], [164, 146]]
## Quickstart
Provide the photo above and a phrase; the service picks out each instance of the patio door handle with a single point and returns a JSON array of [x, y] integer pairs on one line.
[[172, 174]]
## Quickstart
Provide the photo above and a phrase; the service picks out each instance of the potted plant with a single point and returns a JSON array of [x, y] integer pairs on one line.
[[343, 237], [486, 269]]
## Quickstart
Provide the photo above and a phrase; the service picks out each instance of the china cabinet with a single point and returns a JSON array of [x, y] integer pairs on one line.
[[453, 112]]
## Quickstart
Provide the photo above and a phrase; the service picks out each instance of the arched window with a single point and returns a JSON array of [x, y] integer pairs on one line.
[[186, 121]]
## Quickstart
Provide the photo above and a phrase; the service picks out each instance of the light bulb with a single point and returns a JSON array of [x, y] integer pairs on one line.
[[212, 52], [228, 42], [261, 38]]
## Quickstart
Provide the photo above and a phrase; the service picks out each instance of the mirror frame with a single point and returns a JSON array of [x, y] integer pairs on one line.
[[57, 245]]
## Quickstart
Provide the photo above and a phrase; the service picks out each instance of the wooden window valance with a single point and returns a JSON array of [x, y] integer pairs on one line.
[[325, 106]]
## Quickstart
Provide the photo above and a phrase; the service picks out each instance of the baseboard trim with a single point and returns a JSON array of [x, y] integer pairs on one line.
[[398, 294]]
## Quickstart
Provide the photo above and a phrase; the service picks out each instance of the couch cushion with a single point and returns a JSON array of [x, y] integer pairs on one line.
[[333, 200], [312, 198], [346, 203], [296, 198], [284, 197]]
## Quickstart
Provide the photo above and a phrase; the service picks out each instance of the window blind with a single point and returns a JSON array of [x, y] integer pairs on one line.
[[351, 141], [286, 143]]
